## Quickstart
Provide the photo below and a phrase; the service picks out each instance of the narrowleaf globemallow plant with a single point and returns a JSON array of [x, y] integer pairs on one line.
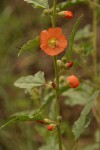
[[52, 42]]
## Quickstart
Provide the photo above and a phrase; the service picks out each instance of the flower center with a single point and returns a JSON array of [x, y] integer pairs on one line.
[[52, 42]]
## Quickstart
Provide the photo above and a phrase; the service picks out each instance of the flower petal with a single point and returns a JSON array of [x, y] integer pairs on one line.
[[51, 51], [44, 36], [62, 41], [54, 32]]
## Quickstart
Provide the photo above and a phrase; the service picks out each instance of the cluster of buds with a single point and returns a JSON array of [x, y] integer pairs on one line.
[[63, 65], [72, 80], [67, 14], [51, 125], [50, 11]]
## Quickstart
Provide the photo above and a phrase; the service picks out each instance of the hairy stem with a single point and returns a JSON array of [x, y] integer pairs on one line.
[[57, 88], [94, 39], [57, 81]]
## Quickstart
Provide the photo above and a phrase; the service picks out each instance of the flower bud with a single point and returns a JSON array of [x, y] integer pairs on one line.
[[48, 121], [64, 59], [52, 85], [45, 121], [69, 64], [73, 81], [61, 79], [47, 11], [57, 9], [68, 14], [51, 127], [59, 118], [60, 64]]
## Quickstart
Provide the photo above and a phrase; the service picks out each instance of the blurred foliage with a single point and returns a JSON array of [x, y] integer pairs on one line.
[[18, 24]]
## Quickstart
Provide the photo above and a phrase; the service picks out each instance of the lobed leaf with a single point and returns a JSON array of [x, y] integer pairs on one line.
[[72, 36], [84, 119], [30, 45], [30, 81], [38, 3]]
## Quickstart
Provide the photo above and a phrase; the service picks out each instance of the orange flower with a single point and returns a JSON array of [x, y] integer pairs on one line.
[[73, 81], [68, 14], [53, 41]]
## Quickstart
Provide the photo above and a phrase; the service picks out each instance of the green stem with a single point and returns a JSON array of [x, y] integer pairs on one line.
[[57, 80], [54, 14], [59, 137], [94, 39], [57, 88]]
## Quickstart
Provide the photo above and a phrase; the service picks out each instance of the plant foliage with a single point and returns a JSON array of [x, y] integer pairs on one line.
[[29, 46], [20, 117], [31, 81], [38, 3], [72, 36], [84, 119]]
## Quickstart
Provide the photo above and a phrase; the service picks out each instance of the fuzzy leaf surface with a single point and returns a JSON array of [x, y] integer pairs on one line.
[[84, 119], [38, 3], [29, 46], [31, 81]]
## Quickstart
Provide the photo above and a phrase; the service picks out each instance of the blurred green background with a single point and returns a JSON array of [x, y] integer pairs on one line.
[[19, 22]]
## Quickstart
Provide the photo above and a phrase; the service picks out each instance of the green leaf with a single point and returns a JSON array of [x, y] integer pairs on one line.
[[20, 117], [68, 4], [48, 98], [71, 38], [78, 96], [75, 97], [84, 119], [38, 3], [30, 81], [30, 45]]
